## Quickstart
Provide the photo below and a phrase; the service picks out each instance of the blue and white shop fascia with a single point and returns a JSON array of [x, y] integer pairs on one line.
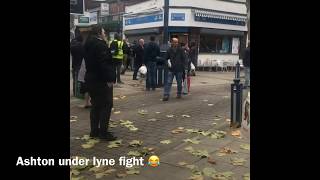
[[218, 28]]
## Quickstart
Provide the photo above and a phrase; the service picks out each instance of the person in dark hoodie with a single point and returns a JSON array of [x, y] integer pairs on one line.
[[151, 52], [77, 53], [176, 58], [100, 76]]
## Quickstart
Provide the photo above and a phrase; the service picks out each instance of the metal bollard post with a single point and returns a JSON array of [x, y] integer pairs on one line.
[[236, 99]]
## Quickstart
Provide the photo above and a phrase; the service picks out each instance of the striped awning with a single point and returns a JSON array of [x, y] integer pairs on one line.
[[210, 14]]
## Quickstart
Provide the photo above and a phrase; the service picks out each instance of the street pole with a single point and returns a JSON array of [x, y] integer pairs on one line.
[[166, 23]]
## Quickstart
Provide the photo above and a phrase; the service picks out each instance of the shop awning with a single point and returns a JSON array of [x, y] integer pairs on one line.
[[221, 32], [142, 31], [214, 17]]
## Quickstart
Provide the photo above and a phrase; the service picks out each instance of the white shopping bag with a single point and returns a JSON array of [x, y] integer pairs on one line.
[[245, 125]]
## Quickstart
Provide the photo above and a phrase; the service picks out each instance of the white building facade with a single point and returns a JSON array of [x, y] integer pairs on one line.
[[218, 28]]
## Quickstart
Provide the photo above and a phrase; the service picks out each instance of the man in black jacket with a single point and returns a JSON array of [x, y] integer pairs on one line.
[[177, 64], [152, 51], [77, 53], [138, 61], [100, 76], [246, 64]]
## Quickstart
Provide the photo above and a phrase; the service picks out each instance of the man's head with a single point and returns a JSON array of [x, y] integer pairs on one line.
[[117, 36], [175, 42], [152, 38], [97, 30], [141, 42]]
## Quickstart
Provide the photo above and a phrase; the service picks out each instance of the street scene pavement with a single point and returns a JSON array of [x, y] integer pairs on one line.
[[191, 136]]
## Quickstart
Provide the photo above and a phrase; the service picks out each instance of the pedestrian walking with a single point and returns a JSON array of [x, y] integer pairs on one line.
[[176, 60], [118, 47], [139, 55], [100, 76], [126, 58], [77, 53], [193, 55], [152, 51]]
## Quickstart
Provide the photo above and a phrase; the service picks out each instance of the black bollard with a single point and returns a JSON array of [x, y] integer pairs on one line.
[[236, 99]]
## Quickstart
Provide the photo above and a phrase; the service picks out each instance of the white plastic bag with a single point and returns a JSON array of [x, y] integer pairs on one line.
[[143, 70], [193, 67], [245, 124]]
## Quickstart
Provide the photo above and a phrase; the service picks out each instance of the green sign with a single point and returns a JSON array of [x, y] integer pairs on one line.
[[83, 20]]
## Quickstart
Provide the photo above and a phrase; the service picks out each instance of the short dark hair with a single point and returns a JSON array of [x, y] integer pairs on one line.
[[152, 38], [96, 29], [117, 36]]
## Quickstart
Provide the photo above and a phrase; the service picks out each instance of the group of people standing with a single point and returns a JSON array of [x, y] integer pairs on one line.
[[100, 62]]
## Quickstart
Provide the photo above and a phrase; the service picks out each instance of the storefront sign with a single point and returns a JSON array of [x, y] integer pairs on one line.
[[104, 9], [83, 19], [178, 16], [93, 17], [76, 6], [145, 19]]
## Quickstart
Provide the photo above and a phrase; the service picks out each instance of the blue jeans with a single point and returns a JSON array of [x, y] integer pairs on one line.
[[247, 76], [151, 75], [168, 84]]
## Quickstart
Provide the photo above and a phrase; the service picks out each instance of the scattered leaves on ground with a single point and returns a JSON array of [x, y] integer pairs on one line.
[[204, 133], [182, 163], [73, 120], [132, 128], [135, 143], [85, 137], [245, 146], [158, 112], [186, 116], [191, 166], [210, 104], [192, 130], [152, 119], [117, 112], [74, 172], [115, 98], [134, 153], [218, 135], [165, 141], [189, 149], [90, 143], [237, 161], [132, 170], [170, 116], [142, 112], [211, 160], [121, 175], [228, 120], [122, 97], [205, 100], [113, 124], [222, 176], [73, 117], [213, 124], [217, 119], [115, 144], [207, 171], [193, 141], [236, 133], [178, 130], [246, 176]]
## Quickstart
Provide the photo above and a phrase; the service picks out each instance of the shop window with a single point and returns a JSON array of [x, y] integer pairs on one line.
[[215, 44]]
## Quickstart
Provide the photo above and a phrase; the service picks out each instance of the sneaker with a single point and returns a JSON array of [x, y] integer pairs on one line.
[[165, 98]]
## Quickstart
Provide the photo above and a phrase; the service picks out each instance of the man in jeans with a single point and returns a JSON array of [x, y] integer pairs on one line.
[[151, 52], [176, 64], [246, 64]]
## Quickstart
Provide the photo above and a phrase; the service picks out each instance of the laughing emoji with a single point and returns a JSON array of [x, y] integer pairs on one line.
[[154, 161]]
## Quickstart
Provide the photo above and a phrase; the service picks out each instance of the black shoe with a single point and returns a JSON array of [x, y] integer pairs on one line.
[[179, 96], [108, 137], [134, 79], [165, 98], [94, 135], [120, 82], [153, 89]]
